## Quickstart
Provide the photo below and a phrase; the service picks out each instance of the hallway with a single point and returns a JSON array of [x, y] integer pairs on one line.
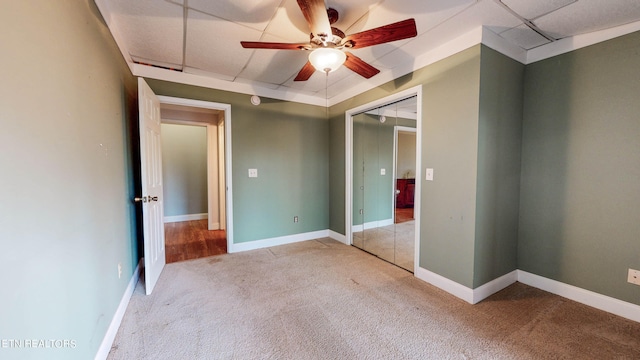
[[188, 240]]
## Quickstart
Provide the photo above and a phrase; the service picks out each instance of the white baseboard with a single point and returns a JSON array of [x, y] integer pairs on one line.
[[482, 292], [188, 217], [372, 225], [338, 237], [590, 298], [445, 284], [110, 336], [473, 296], [260, 244]]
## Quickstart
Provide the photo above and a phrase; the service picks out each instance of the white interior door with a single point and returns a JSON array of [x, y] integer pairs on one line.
[[151, 166]]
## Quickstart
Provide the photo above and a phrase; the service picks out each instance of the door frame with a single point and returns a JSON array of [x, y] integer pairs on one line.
[[226, 124], [414, 91], [396, 131]]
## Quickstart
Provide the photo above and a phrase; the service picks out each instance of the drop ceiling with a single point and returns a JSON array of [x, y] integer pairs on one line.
[[198, 41]]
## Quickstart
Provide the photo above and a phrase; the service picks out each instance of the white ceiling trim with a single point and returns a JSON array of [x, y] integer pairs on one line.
[[579, 41], [452, 47], [499, 44], [203, 81], [104, 9], [472, 38]]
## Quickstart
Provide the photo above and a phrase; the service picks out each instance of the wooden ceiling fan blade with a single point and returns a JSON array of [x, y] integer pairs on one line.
[[272, 45], [360, 67], [316, 14], [397, 31], [305, 73]]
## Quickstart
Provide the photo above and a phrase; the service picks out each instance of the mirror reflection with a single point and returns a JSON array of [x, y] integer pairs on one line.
[[384, 169]]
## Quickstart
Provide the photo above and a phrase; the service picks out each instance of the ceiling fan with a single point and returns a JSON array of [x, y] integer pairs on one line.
[[328, 44]]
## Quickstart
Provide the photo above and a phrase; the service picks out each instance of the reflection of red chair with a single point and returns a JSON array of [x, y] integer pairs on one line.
[[406, 192]]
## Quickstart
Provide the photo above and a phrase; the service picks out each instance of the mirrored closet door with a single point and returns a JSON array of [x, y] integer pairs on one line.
[[384, 169]]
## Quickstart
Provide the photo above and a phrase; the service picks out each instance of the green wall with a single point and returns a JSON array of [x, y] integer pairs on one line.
[[450, 147], [498, 182], [579, 213], [184, 169], [450, 143], [67, 111], [471, 137], [289, 145]]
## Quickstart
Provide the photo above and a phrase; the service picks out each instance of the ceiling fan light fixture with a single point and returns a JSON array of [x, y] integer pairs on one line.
[[327, 59]]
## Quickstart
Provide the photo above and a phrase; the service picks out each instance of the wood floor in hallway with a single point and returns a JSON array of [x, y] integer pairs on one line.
[[404, 215], [188, 240]]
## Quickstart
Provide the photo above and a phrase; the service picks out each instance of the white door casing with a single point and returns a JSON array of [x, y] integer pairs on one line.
[[151, 169]]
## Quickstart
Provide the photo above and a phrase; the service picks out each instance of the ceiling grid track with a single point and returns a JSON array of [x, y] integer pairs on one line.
[[185, 15], [528, 22]]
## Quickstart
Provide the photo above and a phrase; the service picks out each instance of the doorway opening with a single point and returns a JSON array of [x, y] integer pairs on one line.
[[195, 177], [405, 173]]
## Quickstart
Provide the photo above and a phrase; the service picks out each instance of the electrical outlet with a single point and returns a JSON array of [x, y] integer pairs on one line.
[[119, 270], [634, 276], [295, 219]]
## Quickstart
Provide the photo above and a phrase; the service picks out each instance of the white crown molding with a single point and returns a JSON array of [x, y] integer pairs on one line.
[[452, 47], [579, 41], [501, 45], [115, 33], [207, 82]]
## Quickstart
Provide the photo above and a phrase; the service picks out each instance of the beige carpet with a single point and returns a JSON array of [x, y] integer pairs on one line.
[[324, 300], [394, 243]]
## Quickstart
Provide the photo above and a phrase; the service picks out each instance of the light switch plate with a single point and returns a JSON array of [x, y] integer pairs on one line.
[[430, 174], [253, 173], [383, 171], [634, 277]]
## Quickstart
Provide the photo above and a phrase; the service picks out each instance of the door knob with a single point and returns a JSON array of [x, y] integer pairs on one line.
[[140, 199]]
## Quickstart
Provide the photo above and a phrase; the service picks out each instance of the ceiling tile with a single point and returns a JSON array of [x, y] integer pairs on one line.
[[524, 37], [151, 29], [274, 66], [211, 74], [589, 15], [255, 14], [319, 80], [532, 9], [484, 13], [349, 12], [288, 24], [210, 47], [255, 83]]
